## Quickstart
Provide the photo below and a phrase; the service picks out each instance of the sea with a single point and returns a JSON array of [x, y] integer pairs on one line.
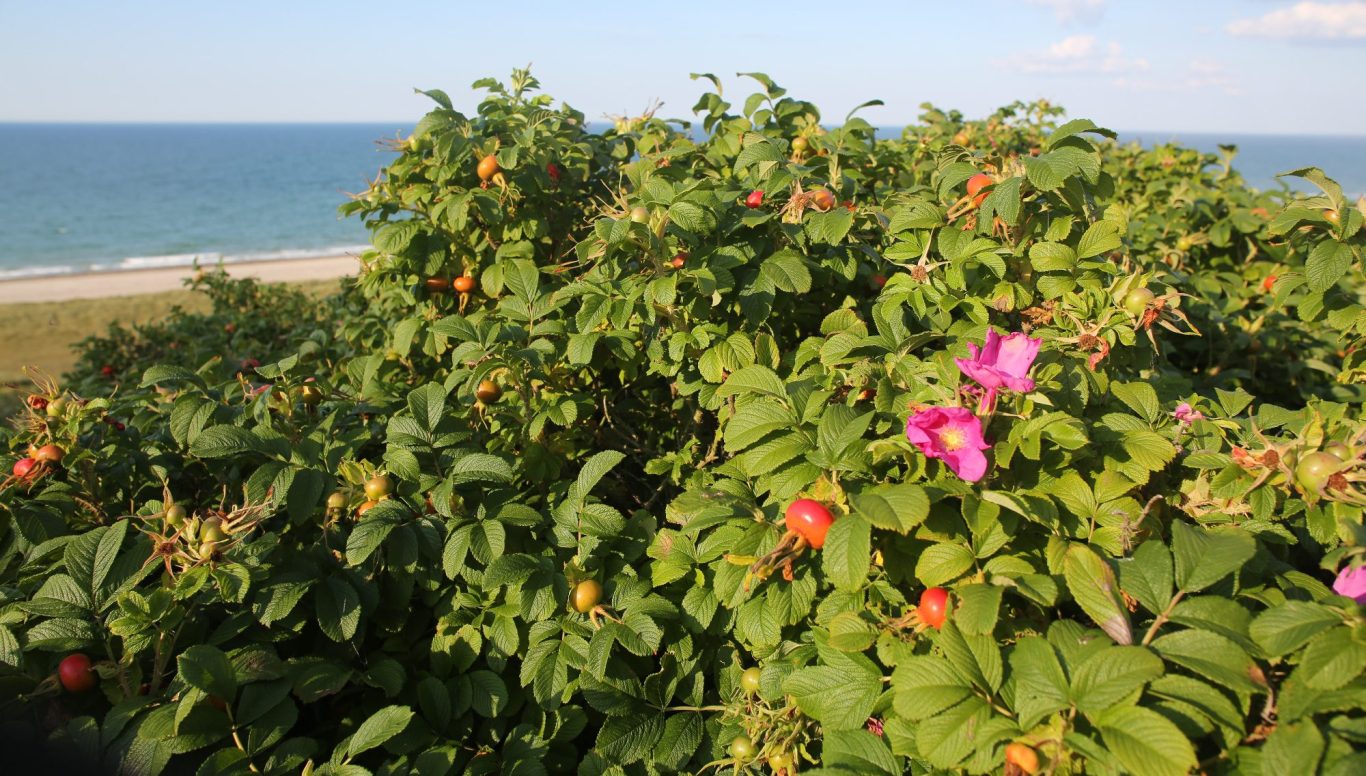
[[86, 197]]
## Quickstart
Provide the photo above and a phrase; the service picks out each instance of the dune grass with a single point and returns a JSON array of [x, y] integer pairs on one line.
[[42, 335]]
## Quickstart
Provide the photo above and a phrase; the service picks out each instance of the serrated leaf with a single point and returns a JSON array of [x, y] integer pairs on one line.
[[1091, 582], [1146, 742], [379, 728]]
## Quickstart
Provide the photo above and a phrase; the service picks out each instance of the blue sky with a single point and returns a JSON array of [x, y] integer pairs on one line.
[[1230, 66]]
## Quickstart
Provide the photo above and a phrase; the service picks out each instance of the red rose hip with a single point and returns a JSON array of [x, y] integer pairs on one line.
[[810, 520], [75, 673], [934, 607]]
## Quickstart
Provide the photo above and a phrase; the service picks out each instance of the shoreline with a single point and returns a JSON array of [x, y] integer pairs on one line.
[[100, 284]]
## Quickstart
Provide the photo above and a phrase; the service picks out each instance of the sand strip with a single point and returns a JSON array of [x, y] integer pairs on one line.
[[97, 285]]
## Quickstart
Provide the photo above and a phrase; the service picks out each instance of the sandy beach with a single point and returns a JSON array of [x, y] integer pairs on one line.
[[98, 285]]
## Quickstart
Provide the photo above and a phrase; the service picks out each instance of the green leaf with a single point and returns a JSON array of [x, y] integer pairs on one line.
[[224, 442], [1146, 743], [1140, 397], [1052, 257], [1112, 674], [979, 607], [1040, 685], [847, 554], [630, 738], [753, 379], [942, 563], [679, 742], [838, 698], [857, 751], [754, 421], [1292, 748], [924, 685], [897, 508], [378, 728], [1210, 656], [1100, 237], [1285, 628], [338, 608], [1332, 659], [1091, 582], [1327, 263], [594, 469], [1147, 576], [1206, 555], [946, 739], [479, 467], [206, 668]]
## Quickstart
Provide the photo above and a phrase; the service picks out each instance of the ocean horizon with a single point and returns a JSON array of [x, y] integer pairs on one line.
[[78, 198]]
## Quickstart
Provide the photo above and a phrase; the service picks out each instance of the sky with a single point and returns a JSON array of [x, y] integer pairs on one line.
[[1226, 66]]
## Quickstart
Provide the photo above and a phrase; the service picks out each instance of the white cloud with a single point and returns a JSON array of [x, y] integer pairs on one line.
[[1307, 21], [1073, 10], [1076, 55], [1200, 75]]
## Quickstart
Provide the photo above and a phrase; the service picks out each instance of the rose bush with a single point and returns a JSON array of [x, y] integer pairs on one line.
[[1041, 461]]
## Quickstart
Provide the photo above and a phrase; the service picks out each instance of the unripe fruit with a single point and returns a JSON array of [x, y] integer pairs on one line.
[[175, 516], [1136, 301], [799, 144], [822, 199], [1184, 243], [488, 392], [639, 214], [1023, 758], [211, 530], [1339, 450], [336, 500], [24, 467], [780, 762], [310, 395], [488, 167], [742, 749], [755, 199], [975, 184], [56, 407], [463, 284], [586, 595], [366, 507], [378, 487], [1313, 470], [1333, 216], [75, 673], [208, 549], [50, 454], [933, 608], [749, 680]]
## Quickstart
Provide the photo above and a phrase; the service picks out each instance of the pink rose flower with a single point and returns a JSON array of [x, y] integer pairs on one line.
[[1186, 414], [1351, 582], [953, 435], [1002, 361]]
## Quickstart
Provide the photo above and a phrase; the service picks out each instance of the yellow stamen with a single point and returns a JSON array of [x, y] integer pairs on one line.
[[952, 439]]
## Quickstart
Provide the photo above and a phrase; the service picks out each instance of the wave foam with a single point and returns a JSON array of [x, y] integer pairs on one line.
[[207, 258]]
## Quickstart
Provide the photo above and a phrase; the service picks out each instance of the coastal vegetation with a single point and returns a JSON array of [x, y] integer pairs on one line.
[[758, 444]]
